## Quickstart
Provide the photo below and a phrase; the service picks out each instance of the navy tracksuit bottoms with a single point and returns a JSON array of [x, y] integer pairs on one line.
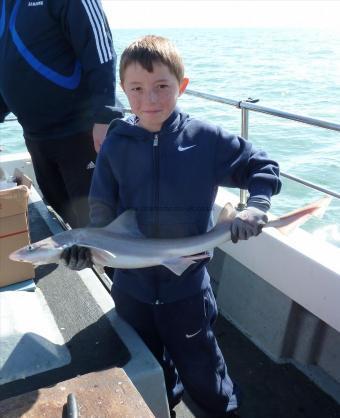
[[180, 336]]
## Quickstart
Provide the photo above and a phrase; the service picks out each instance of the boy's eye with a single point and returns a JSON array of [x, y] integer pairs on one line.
[[136, 88], [163, 86]]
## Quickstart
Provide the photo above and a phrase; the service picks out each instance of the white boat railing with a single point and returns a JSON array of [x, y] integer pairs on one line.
[[250, 105]]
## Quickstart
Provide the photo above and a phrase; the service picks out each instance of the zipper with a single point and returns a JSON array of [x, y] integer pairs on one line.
[[156, 177], [156, 203]]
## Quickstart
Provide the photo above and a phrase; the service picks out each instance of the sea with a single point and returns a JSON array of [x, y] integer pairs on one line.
[[292, 70]]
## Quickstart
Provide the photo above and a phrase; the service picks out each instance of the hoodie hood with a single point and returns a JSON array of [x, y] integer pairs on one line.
[[128, 127]]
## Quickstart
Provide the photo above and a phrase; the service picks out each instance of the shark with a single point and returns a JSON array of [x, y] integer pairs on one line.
[[121, 244]]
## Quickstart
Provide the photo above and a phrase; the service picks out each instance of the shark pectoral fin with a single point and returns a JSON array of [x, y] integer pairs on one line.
[[126, 224], [178, 265]]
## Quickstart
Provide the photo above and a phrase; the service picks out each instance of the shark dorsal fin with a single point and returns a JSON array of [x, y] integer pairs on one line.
[[125, 224]]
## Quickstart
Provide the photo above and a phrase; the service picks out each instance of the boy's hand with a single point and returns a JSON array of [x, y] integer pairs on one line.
[[247, 223], [76, 258]]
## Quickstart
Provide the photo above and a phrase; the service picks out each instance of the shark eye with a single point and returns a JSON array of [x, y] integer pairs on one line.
[[30, 247]]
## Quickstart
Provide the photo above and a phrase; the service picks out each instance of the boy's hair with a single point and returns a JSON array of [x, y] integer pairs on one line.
[[152, 49]]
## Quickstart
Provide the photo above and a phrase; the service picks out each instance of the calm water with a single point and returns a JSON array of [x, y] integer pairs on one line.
[[291, 70]]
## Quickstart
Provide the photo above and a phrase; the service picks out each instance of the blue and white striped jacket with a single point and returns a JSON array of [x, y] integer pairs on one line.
[[57, 65]]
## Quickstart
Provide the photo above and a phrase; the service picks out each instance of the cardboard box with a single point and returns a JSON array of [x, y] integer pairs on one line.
[[14, 231]]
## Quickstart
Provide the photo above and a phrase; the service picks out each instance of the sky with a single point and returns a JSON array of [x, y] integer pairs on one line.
[[222, 13]]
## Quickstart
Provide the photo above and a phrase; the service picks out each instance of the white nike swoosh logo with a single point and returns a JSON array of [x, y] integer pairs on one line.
[[180, 148], [192, 335]]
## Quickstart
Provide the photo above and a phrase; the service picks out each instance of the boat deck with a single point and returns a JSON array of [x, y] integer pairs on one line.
[[91, 341], [269, 390]]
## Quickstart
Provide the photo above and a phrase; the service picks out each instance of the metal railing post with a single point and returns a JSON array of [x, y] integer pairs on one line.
[[244, 133]]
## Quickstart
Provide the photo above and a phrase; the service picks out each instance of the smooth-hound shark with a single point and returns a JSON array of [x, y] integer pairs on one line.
[[121, 244]]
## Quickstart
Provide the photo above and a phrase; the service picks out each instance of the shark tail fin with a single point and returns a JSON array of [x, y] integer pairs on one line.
[[292, 220]]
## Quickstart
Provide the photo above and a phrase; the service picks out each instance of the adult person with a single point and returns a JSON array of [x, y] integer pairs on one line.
[[57, 75]]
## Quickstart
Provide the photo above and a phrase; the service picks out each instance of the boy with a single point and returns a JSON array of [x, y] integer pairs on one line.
[[168, 166]]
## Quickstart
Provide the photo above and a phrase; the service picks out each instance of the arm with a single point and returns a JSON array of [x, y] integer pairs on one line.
[[239, 164], [4, 110], [85, 25]]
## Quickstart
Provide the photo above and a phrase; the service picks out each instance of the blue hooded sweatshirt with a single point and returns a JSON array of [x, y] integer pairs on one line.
[[170, 178]]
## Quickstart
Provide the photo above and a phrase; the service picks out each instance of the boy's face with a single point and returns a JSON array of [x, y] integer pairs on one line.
[[152, 96]]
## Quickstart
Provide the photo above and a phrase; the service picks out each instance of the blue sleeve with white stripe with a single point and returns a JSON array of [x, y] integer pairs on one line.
[[86, 26]]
